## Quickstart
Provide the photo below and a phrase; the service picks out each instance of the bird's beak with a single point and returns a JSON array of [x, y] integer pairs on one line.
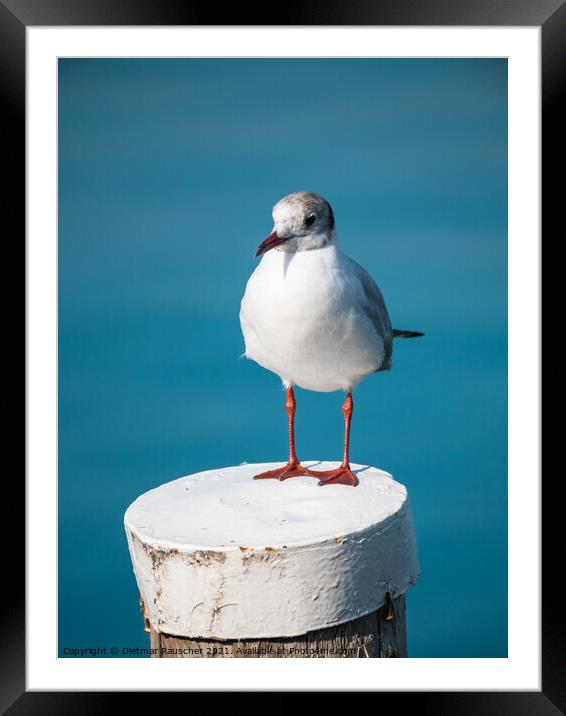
[[270, 243]]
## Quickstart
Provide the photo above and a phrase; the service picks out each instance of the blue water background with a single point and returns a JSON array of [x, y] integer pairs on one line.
[[167, 173]]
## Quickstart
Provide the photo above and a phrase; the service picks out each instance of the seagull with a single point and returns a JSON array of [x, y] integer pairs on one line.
[[315, 318]]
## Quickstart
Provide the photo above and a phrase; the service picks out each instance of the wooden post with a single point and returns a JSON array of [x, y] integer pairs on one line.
[[231, 567]]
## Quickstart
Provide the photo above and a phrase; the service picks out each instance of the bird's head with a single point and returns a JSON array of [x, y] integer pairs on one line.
[[302, 221]]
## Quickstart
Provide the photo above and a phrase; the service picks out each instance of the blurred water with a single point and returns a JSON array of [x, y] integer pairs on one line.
[[167, 173]]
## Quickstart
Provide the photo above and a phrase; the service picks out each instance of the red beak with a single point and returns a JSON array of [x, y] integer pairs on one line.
[[270, 243]]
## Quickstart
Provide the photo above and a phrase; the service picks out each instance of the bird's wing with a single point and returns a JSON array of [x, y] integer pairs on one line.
[[376, 310]]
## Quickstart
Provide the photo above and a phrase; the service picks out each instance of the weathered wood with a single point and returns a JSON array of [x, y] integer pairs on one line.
[[221, 556], [381, 634], [230, 567]]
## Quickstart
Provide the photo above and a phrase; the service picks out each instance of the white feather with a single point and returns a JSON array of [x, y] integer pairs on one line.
[[315, 318]]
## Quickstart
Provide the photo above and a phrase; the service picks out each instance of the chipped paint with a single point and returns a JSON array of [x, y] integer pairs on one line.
[[238, 559]]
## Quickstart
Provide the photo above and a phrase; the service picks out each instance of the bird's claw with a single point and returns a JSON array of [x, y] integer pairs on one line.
[[340, 476], [284, 473]]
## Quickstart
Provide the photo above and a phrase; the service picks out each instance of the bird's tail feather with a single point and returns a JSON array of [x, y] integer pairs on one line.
[[398, 333]]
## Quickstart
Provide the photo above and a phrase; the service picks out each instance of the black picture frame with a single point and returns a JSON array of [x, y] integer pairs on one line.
[[550, 15]]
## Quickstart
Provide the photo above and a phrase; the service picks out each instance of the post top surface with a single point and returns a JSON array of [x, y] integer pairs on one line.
[[225, 509]]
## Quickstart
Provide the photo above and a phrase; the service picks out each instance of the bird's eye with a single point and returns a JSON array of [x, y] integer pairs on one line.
[[309, 221]]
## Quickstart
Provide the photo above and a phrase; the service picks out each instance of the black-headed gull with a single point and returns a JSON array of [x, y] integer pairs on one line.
[[314, 317]]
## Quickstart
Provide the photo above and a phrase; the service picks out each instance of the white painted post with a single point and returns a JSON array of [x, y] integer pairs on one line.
[[225, 563]]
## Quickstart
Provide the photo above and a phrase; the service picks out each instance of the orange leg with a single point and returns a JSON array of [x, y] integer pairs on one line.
[[342, 475], [293, 468]]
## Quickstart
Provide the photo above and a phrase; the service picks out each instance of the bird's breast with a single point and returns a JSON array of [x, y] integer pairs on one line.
[[300, 320], [293, 294]]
